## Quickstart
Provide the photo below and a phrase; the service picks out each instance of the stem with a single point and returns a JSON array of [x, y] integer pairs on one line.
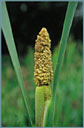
[[42, 99], [45, 111], [39, 105]]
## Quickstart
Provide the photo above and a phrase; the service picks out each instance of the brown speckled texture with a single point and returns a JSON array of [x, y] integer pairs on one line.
[[43, 73]]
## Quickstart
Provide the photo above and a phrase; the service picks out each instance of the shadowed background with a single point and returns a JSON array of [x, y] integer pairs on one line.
[[27, 19]]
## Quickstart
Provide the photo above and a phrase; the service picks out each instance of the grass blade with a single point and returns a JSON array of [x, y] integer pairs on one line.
[[65, 33], [49, 121], [6, 28]]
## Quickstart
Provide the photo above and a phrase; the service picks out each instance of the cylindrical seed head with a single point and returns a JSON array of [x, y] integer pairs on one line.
[[43, 73]]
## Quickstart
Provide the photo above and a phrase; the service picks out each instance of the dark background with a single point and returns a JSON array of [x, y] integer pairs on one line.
[[27, 19]]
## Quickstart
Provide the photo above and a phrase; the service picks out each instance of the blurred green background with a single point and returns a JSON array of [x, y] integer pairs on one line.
[[69, 111], [27, 19]]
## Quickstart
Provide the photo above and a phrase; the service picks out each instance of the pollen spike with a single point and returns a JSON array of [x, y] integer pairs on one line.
[[43, 73]]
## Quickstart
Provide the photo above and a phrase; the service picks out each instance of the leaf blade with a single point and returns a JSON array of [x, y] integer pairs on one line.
[[65, 33], [7, 31]]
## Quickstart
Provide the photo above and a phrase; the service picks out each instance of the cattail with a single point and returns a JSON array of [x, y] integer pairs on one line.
[[43, 75]]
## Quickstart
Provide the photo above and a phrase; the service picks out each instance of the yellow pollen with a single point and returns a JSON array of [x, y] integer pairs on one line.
[[43, 73]]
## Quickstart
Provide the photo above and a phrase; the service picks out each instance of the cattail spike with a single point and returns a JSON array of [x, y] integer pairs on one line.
[[43, 73]]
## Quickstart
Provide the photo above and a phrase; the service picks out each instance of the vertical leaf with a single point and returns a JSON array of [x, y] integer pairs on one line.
[[63, 43], [7, 31], [49, 120]]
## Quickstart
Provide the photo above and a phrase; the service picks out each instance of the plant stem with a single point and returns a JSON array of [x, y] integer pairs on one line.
[[42, 99], [39, 105]]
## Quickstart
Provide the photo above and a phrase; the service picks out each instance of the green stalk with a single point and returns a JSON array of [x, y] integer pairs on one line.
[[49, 120], [42, 100], [39, 105], [7, 31]]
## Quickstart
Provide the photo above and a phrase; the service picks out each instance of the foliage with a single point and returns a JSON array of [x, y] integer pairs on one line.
[[50, 114], [69, 95], [7, 31], [59, 92]]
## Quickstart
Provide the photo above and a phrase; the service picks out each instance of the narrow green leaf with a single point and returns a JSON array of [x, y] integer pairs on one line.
[[7, 31], [49, 120], [65, 33]]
